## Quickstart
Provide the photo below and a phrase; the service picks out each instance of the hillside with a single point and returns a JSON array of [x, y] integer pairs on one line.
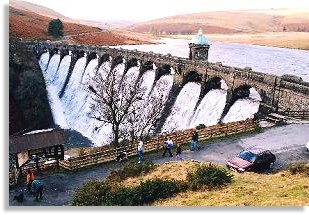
[[38, 9], [228, 22], [29, 25]]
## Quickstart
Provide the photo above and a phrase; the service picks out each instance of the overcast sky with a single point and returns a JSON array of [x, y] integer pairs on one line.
[[142, 10]]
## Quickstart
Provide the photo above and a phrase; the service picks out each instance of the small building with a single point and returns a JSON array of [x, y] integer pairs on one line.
[[199, 47], [47, 143]]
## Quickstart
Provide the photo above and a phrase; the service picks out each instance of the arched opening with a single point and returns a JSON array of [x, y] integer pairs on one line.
[[243, 104], [162, 70], [117, 60], [191, 76], [148, 65], [130, 63], [90, 57], [214, 83]]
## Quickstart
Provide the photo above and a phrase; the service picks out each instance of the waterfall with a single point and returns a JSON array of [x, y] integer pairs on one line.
[[74, 108], [210, 109], [244, 108], [62, 72], [183, 108], [52, 94]]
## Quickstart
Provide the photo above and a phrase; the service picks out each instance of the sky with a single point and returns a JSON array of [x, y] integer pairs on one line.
[[142, 10]]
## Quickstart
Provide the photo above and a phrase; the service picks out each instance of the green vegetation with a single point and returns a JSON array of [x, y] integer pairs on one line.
[[55, 28], [131, 169], [299, 168], [28, 106], [208, 176], [91, 193], [200, 126]]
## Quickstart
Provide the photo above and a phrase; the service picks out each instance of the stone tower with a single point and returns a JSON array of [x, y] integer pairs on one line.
[[199, 47]]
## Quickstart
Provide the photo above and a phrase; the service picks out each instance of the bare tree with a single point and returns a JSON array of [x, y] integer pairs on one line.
[[144, 115], [122, 100], [113, 96]]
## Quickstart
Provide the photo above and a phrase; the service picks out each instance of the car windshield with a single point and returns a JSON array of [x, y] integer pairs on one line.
[[248, 156]]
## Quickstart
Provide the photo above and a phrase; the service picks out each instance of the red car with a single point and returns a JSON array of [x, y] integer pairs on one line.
[[251, 159]]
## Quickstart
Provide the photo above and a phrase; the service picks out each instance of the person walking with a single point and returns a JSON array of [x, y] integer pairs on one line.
[[194, 142], [140, 151], [168, 145], [178, 153], [30, 177], [37, 189]]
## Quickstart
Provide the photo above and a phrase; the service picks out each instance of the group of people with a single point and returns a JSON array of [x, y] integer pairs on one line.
[[34, 186], [168, 145]]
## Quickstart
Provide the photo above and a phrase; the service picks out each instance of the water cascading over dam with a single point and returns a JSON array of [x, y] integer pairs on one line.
[[72, 109]]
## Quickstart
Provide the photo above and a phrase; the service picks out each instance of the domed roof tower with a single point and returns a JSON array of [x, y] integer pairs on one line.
[[199, 47]]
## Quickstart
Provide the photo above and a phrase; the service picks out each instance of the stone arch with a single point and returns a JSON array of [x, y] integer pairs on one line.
[[132, 62], [103, 58], [90, 56], [147, 65], [191, 76], [164, 69], [117, 60], [64, 52], [215, 82]]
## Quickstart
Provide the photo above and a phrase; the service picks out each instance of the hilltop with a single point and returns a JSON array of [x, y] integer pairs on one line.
[[224, 22]]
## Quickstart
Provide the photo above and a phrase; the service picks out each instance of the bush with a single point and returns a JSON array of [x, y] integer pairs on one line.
[[124, 196], [131, 170], [299, 168], [146, 192], [200, 126], [155, 189], [92, 193], [209, 176]]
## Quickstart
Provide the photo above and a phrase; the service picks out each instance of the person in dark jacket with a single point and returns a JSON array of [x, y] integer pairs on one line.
[[168, 145], [194, 142], [178, 153], [37, 189], [30, 178]]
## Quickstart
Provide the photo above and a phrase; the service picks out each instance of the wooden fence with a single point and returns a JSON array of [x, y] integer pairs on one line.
[[297, 114], [104, 154]]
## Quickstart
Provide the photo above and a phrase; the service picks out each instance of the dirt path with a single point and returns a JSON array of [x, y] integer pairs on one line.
[[287, 142]]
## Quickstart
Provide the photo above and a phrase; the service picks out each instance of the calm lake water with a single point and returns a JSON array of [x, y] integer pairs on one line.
[[264, 59]]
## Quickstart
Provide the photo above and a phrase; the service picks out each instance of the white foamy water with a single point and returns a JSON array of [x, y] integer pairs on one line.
[[61, 74], [52, 95], [210, 109], [242, 109], [183, 108]]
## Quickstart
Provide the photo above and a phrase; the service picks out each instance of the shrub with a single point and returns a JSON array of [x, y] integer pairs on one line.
[[131, 170], [124, 196], [146, 192], [92, 193], [200, 126], [155, 189], [299, 168], [208, 176]]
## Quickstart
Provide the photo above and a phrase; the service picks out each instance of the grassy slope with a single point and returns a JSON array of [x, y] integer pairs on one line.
[[253, 189]]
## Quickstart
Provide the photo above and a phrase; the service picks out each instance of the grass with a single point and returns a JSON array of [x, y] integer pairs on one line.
[[247, 189]]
